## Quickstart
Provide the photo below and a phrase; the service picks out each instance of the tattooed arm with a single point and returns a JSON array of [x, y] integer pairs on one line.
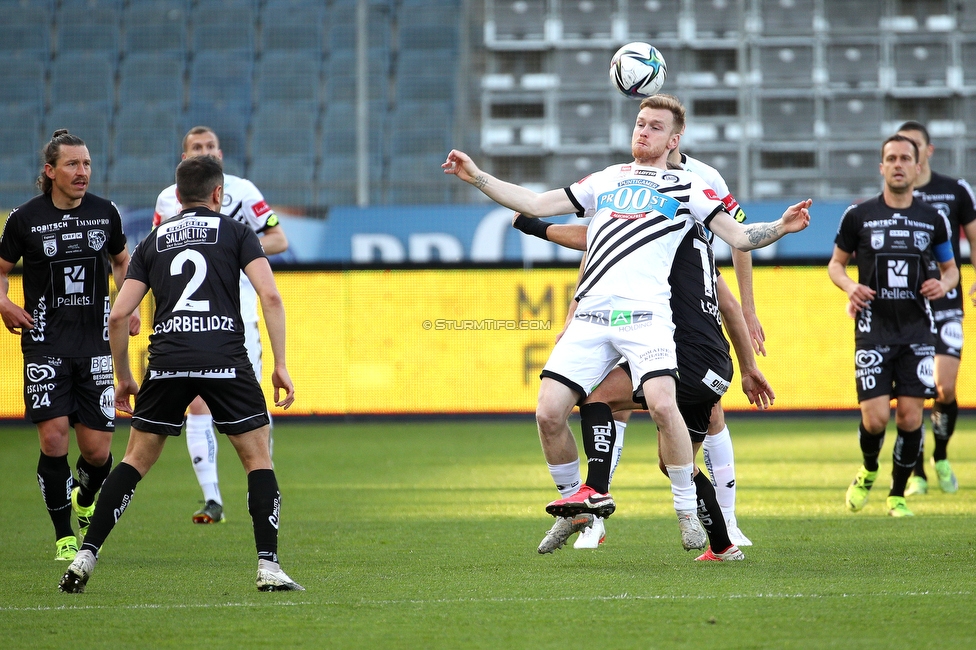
[[756, 235], [514, 197]]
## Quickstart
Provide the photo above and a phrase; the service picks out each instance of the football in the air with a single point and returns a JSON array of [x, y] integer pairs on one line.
[[638, 70]]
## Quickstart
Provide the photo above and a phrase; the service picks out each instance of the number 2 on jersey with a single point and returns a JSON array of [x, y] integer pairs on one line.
[[199, 262]]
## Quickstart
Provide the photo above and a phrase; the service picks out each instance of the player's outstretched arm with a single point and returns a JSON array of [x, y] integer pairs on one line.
[[858, 295], [15, 317], [758, 235], [514, 197], [130, 295], [258, 271]]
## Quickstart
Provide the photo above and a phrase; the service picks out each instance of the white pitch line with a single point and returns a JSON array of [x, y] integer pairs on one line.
[[442, 601]]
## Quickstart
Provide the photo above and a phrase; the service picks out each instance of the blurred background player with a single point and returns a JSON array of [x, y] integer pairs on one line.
[[244, 203], [901, 244], [953, 198], [70, 240], [192, 263]]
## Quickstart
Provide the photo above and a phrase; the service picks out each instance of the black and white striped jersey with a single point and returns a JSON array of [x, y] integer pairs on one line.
[[639, 217]]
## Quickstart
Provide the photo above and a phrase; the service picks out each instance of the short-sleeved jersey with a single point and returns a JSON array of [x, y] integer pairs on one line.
[[640, 215], [896, 252], [714, 180], [243, 202], [67, 261], [954, 200], [193, 263]]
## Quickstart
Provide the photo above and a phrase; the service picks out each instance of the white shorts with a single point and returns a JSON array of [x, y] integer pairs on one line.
[[252, 342], [603, 331]]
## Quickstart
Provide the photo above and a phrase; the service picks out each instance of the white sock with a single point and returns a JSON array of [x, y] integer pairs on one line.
[[683, 487], [567, 477], [720, 461], [202, 445], [618, 448]]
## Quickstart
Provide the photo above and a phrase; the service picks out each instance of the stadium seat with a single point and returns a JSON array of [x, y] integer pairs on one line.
[[26, 28], [968, 56], [581, 68], [340, 77], [921, 62], [853, 172], [656, 22], [787, 118], [584, 122], [583, 20], [222, 77], [281, 129], [341, 36], [854, 117], [17, 176], [22, 80], [339, 129], [152, 78], [90, 123], [284, 180], [294, 76], [226, 26], [787, 17], [853, 16], [96, 87], [853, 65], [425, 62], [146, 130], [156, 27], [228, 122], [293, 25], [88, 28], [786, 66], [717, 19], [136, 181], [20, 130], [515, 20]]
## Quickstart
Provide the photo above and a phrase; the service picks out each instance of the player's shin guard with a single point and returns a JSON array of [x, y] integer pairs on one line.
[[264, 504], [710, 514], [904, 457], [117, 491], [870, 447], [720, 462], [566, 477], [599, 436], [54, 479], [943, 426], [202, 445], [683, 487], [90, 479]]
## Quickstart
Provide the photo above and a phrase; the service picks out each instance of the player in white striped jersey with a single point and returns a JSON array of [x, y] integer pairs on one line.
[[244, 203], [641, 212]]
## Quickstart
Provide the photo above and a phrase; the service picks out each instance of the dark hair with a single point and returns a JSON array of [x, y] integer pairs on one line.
[[912, 125], [899, 138], [197, 177], [50, 154]]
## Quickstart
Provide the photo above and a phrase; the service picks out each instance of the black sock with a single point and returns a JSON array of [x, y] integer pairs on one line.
[[920, 464], [54, 479], [117, 491], [870, 447], [599, 436], [264, 503], [943, 426], [904, 457], [90, 478], [710, 514]]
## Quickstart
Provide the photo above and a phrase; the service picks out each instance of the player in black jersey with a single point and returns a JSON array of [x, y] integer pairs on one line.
[[192, 264], [904, 260], [70, 241], [953, 198]]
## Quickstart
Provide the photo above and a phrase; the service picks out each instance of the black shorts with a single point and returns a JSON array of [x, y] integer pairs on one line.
[[233, 395], [81, 388], [947, 312], [894, 370], [703, 379]]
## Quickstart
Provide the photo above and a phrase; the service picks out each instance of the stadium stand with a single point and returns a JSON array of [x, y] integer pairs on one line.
[[793, 89]]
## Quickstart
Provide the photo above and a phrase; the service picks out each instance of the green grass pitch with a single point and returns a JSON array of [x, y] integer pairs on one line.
[[424, 535]]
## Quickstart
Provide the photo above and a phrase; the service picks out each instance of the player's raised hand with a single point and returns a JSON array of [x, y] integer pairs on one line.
[[460, 164], [281, 380], [124, 390], [797, 216]]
